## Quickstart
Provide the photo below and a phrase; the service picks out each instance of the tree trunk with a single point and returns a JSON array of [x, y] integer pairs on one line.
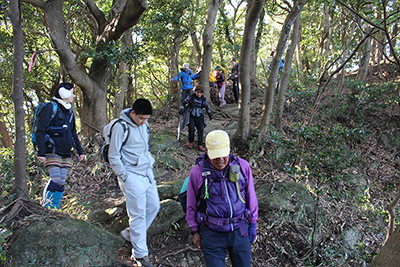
[[123, 74], [299, 64], [18, 99], [235, 10], [364, 64], [286, 72], [254, 55], [273, 74], [207, 47], [174, 65], [123, 15], [5, 139], [254, 9], [389, 255], [346, 46], [196, 49]]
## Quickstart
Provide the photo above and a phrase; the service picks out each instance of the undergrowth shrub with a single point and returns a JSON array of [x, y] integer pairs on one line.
[[364, 99]]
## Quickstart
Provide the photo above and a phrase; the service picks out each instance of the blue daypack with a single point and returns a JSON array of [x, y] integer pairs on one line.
[[35, 120]]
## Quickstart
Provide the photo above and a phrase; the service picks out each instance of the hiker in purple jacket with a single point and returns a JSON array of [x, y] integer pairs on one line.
[[222, 207]]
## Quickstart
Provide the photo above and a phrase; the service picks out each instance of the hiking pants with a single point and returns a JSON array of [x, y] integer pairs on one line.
[[215, 244], [221, 94], [185, 93], [199, 123], [142, 205], [235, 88]]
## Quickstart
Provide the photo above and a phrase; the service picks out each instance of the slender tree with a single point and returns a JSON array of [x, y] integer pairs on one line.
[[287, 68], [208, 45], [18, 99], [254, 9], [273, 75]]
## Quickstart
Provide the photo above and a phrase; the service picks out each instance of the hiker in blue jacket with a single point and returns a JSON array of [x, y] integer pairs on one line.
[[186, 75], [280, 70], [133, 164], [222, 207], [55, 149]]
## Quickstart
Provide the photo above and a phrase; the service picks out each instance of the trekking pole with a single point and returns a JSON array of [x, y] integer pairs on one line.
[[179, 103], [179, 130]]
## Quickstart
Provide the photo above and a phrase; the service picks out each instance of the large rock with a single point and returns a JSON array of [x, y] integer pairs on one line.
[[170, 213], [162, 142], [170, 189], [115, 220], [72, 243], [286, 201]]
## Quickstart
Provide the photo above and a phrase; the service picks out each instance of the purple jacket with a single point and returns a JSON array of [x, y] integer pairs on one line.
[[196, 183]]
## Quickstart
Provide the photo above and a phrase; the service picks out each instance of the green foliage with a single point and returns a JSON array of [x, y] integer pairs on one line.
[[7, 173], [3, 235], [327, 151], [77, 206]]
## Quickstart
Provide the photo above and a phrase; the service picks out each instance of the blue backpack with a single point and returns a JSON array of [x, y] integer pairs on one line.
[[35, 120]]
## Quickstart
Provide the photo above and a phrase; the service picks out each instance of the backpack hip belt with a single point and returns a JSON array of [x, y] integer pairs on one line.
[[208, 220]]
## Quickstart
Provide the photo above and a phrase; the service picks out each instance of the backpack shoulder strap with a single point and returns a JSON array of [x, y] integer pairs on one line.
[[126, 131], [55, 107]]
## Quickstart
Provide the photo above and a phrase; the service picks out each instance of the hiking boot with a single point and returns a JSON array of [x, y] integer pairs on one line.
[[126, 234], [145, 261], [190, 145], [201, 148]]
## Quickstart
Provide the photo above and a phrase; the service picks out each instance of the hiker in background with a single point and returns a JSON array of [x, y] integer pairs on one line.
[[211, 79], [234, 77], [280, 70], [133, 164], [220, 76], [186, 75], [55, 149], [196, 103], [222, 207]]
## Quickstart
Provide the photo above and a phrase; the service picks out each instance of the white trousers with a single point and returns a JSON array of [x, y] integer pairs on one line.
[[142, 204], [221, 94]]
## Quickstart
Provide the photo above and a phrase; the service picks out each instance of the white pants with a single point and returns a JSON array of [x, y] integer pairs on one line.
[[142, 205], [221, 94]]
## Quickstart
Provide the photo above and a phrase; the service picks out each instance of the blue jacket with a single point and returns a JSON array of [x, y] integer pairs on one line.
[[187, 78], [280, 65]]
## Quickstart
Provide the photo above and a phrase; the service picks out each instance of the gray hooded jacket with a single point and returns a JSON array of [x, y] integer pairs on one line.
[[135, 155]]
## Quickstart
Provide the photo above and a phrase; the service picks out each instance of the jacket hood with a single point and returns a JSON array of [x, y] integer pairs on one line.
[[125, 116]]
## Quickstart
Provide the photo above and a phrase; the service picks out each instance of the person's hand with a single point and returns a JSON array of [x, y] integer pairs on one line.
[[197, 241], [81, 157], [181, 110], [252, 232], [209, 115], [42, 159], [171, 79]]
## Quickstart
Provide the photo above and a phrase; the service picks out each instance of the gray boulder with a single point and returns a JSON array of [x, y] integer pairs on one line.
[[73, 243]]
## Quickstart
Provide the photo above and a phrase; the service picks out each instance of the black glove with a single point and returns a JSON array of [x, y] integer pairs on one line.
[[181, 110], [209, 115]]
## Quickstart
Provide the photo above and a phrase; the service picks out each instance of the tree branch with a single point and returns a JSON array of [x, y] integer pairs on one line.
[[128, 17], [37, 3], [97, 14], [390, 209]]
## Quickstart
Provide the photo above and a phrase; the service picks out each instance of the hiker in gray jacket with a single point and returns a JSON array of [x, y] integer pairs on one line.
[[133, 165]]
